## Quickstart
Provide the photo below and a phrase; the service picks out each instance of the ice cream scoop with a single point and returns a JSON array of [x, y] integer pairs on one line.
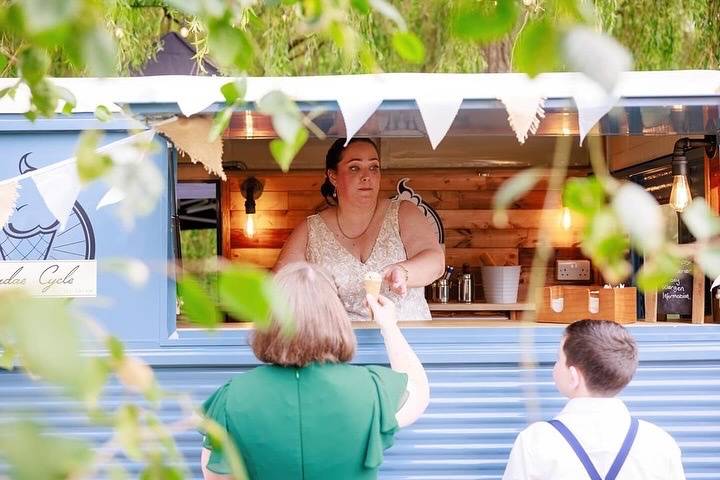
[[373, 281]]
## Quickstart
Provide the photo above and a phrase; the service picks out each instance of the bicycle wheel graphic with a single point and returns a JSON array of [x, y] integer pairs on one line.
[[21, 242]]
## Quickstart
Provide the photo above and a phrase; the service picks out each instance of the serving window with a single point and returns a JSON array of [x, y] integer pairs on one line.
[[458, 180]]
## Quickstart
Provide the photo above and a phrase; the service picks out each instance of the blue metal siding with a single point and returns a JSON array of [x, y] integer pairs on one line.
[[475, 413]]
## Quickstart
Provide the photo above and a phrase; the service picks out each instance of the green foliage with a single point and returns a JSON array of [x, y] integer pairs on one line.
[[46, 339], [658, 271], [33, 454], [485, 21], [537, 47], [196, 306], [584, 196], [668, 35], [90, 163], [247, 293]]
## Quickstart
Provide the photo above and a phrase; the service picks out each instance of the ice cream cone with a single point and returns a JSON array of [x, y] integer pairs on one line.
[[372, 282]]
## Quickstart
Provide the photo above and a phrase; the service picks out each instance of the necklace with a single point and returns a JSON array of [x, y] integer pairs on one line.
[[337, 218]]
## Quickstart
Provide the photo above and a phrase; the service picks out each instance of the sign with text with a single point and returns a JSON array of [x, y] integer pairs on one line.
[[51, 278], [677, 296]]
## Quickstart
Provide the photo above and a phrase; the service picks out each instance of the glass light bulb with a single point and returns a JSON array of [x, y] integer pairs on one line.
[[250, 225], [680, 196], [566, 220]]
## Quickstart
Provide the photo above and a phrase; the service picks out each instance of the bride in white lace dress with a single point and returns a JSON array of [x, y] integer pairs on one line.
[[360, 232]]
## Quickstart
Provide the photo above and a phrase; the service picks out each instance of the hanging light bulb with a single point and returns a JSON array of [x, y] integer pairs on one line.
[[680, 196], [251, 189], [250, 225], [566, 220]]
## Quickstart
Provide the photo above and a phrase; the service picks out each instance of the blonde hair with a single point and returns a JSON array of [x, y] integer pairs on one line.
[[322, 331]]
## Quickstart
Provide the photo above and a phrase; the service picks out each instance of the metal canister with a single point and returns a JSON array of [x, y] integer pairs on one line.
[[443, 290], [465, 288]]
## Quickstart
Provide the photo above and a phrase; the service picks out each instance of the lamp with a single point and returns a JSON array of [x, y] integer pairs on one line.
[[251, 189], [680, 196], [566, 219]]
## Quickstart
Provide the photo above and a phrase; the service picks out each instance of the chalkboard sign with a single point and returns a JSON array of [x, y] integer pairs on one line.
[[677, 297]]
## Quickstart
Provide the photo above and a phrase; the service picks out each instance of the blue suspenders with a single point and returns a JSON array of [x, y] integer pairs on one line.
[[585, 459]]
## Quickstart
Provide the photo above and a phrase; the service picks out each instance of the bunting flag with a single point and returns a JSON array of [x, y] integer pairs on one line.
[[438, 114], [8, 199], [126, 151], [190, 136], [592, 103], [358, 104], [133, 180], [59, 187], [525, 108]]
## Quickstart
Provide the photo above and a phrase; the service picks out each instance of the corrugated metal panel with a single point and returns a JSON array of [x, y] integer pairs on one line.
[[475, 413]]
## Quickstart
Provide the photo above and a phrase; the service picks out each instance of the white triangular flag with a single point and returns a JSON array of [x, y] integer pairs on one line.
[[592, 104], [8, 199], [134, 179], [190, 136], [111, 197], [122, 152], [438, 113], [59, 187], [356, 109], [524, 107]]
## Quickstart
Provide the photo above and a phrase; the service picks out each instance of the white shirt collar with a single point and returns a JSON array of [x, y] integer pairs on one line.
[[595, 405]]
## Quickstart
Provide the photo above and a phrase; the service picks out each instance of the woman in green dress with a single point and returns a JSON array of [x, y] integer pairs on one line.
[[308, 414]]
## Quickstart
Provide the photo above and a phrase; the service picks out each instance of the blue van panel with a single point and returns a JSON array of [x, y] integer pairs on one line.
[[476, 410]]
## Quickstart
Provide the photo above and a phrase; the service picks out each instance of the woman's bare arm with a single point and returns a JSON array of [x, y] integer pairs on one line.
[[402, 359], [425, 258], [294, 248]]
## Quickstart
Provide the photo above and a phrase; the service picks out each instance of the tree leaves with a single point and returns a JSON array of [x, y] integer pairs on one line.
[[641, 216], [196, 304], [584, 195], [537, 47], [597, 55], [409, 47], [33, 454], [284, 152], [91, 164], [481, 22], [246, 294], [229, 45], [98, 51], [700, 220], [658, 271]]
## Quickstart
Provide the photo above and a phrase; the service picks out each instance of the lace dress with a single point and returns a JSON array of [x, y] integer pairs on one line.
[[348, 271]]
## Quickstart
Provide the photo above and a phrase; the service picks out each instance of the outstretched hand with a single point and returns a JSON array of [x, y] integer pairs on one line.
[[383, 310], [395, 277]]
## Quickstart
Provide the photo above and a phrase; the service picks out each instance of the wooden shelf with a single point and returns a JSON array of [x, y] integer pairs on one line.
[[480, 307]]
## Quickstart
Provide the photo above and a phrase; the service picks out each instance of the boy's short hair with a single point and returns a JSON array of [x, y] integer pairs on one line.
[[322, 331], [604, 352]]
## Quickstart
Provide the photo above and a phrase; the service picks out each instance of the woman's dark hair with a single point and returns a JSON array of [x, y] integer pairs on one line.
[[332, 158]]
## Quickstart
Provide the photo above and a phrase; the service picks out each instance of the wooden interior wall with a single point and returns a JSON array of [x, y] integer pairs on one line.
[[462, 197]]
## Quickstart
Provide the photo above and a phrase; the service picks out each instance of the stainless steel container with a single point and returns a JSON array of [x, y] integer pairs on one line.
[[443, 290], [465, 288]]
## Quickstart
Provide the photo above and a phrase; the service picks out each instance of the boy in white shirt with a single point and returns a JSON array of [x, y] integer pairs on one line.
[[594, 437]]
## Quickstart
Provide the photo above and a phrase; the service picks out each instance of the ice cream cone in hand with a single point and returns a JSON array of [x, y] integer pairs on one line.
[[372, 282]]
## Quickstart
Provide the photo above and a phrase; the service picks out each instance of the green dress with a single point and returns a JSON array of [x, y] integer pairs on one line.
[[323, 421]]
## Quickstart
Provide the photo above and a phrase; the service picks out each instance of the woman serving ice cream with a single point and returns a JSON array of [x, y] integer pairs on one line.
[[362, 233]]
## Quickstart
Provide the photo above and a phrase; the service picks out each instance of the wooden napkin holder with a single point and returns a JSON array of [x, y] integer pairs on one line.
[[573, 303]]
